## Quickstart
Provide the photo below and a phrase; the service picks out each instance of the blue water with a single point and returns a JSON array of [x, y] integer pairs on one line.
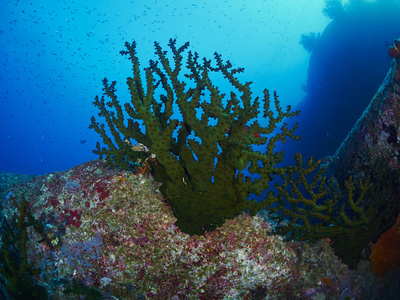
[[54, 55]]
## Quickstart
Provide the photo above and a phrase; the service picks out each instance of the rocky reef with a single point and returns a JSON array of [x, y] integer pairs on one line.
[[106, 234], [209, 171], [170, 218], [371, 150]]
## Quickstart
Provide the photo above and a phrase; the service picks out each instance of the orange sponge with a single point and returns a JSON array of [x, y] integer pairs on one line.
[[386, 251]]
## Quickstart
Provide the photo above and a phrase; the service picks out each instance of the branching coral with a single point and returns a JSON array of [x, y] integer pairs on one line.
[[315, 208], [201, 157], [14, 266]]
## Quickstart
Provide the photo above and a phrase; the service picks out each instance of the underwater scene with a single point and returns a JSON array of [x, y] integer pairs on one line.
[[200, 149]]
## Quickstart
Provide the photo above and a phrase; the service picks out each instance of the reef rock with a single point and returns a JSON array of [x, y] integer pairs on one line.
[[107, 234], [372, 148]]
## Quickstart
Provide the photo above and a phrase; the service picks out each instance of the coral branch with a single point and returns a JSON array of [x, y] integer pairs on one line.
[[200, 165], [316, 209]]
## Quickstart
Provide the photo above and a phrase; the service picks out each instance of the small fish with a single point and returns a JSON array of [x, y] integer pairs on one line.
[[83, 141]]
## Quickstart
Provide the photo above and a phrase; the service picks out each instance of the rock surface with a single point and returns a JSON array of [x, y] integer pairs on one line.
[[110, 233]]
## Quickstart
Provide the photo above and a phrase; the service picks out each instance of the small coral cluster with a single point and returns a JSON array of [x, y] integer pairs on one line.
[[110, 234], [314, 209]]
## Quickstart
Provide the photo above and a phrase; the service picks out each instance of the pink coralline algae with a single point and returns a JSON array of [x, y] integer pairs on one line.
[[113, 231]]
